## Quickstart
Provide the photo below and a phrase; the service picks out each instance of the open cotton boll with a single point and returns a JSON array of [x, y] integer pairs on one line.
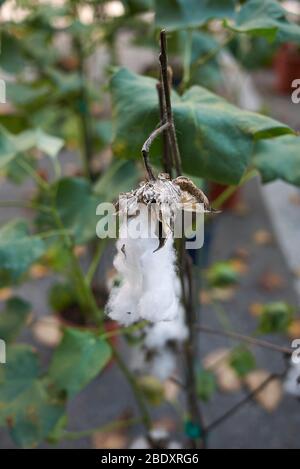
[[160, 300], [163, 364], [122, 305], [291, 383], [160, 364], [163, 332], [149, 284]]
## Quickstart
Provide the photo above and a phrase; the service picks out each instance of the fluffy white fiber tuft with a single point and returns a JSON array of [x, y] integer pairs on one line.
[[158, 355], [149, 284]]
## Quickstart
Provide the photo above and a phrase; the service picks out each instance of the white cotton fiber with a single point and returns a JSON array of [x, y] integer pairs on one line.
[[163, 364], [163, 332], [149, 284]]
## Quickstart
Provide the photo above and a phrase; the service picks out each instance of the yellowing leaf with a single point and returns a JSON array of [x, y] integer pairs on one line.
[[218, 362], [270, 396], [47, 331], [262, 237], [109, 440], [256, 309], [5, 293], [294, 329], [38, 271]]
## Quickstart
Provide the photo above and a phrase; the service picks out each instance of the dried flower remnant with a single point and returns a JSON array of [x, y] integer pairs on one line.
[[146, 259]]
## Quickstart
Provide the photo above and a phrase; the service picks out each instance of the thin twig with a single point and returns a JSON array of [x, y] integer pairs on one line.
[[166, 159], [169, 114], [146, 148], [240, 404], [245, 338], [190, 347]]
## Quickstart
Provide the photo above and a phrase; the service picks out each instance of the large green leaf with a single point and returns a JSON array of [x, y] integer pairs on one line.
[[78, 359], [76, 204], [12, 58], [137, 6], [13, 145], [215, 138], [266, 18], [121, 176], [206, 384], [18, 251], [275, 317], [180, 14], [7, 147], [25, 405], [25, 94], [279, 158], [206, 74], [242, 360], [13, 317]]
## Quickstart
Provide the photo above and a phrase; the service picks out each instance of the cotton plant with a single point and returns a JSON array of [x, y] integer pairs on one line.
[[146, 258]]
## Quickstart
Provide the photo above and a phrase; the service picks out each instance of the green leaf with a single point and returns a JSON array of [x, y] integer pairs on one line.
[[12, 145], [181, 14], [279, 159], [121, 176], [25, 405], [61, 296], [13, 318], [18, 251], [103, 132], [215, 138], [222, 274], [137, 6], [207, 74], [78, 359], [206, 384], [275, 317], [76, 204], [23, 94], [7, 147], [268, 19], [242, 361], [16, 172], [12, 58]]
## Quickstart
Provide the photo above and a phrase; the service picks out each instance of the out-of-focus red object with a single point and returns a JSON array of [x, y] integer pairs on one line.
[[216, 189], [287, 67]]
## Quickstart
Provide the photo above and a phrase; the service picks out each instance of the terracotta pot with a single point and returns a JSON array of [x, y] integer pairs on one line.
[[216, 189], [287, 67]]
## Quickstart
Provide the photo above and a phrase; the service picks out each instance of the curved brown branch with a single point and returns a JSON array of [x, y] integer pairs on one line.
[[245, 338], [166, 157], [146, 148]]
